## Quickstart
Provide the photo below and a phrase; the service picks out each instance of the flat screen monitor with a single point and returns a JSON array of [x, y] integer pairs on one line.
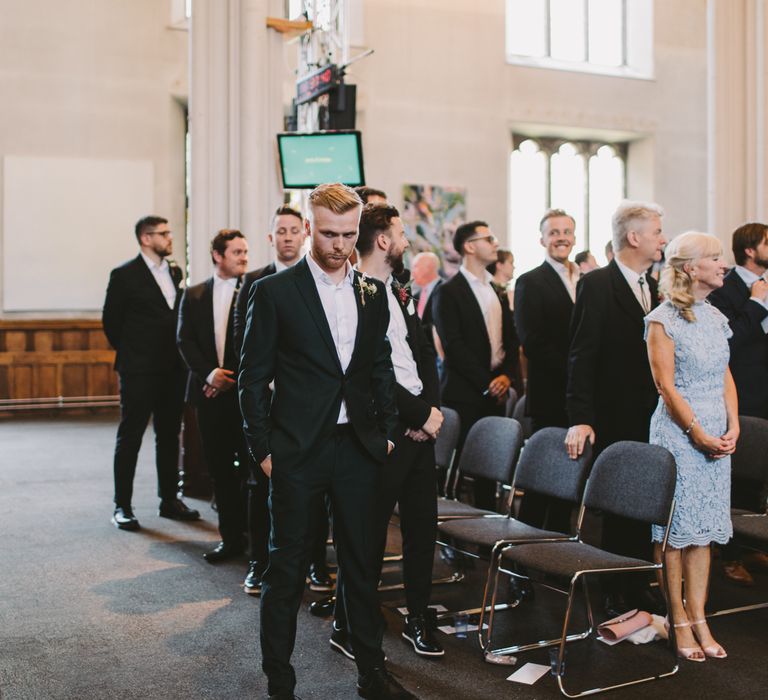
[[311, 159]]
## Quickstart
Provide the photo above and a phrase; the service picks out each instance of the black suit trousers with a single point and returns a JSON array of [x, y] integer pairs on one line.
[[160, 396], [221, 431], [408, 478], [343, 468]]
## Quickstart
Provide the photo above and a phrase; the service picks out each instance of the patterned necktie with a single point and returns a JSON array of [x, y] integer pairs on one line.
[[643, 302]]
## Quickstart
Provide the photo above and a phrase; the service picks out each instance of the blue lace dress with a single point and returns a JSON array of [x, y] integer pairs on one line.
[[703, 491]]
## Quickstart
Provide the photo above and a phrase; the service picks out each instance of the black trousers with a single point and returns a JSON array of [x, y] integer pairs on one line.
[[469, 414], [221, 430], [160, 396], [408, 477], [258, 514], [342, 468], [544, 511]]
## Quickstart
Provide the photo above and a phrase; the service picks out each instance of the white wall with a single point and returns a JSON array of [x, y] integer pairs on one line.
[[438, 102], [96, 80]]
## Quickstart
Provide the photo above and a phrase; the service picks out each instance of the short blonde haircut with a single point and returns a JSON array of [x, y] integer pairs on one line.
[[626, 215], [676, 283], [334, 196]]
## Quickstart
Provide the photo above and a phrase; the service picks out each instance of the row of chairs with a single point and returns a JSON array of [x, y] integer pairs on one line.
[[629, 479]]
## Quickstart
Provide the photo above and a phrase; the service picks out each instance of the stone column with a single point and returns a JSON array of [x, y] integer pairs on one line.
[[235, 98]]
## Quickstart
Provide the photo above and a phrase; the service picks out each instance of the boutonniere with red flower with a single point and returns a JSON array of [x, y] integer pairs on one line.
[[404, 296]]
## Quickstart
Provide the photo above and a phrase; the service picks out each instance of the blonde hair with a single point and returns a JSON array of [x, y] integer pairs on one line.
[[676, 282], [627, 213], [334, 196]]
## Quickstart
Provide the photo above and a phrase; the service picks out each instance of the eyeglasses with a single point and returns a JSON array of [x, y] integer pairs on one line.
[[490, 239], [164, 234]]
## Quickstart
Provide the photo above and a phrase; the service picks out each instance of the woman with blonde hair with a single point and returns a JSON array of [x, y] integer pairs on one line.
[[697, 421]]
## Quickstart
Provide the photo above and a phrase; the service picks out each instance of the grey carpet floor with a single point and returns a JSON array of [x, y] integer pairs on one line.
[[87, 611]]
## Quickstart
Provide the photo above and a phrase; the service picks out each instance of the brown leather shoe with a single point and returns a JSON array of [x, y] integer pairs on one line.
[[756, 561], [736, 573]]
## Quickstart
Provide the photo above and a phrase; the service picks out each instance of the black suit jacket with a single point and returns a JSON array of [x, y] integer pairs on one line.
[[138, 322], [610, 385], [287, 338], [749, 344], [241, 307], [196, 338], [414, 410], [461, 327], [543, 311]]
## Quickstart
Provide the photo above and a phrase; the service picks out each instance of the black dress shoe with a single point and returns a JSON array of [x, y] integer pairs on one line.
[[252, 583], [340, 642], [124, 519], [223, 552], [176, 509], [420, 632], [323, 607], [319, 579], [519, 591], [379, 684], [615, 604]]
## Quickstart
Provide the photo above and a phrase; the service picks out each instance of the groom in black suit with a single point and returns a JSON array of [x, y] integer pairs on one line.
[[205, 337], [139, 320], [611, 394], [319, 330]]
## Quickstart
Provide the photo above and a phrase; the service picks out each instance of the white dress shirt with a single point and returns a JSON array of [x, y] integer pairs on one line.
[[749, 278], [406, 371], [569, 275], [279, 266], [642, 292], [162, 275], [491, 308], [340, 308], [223, 291]]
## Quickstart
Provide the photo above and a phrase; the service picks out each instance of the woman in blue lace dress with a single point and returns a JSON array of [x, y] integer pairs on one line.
[[697, 421]]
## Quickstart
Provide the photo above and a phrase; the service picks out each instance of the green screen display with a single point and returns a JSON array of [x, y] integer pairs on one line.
[[308, 160]]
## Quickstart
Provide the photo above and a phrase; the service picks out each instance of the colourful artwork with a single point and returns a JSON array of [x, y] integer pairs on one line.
[[431, 216]]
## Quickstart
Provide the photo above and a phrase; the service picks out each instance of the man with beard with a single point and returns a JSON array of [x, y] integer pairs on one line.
[[543, 305], [139, 320], [206, 342], [743, 299], [476, 332], [611, 394], [318, 330], [408, 476]]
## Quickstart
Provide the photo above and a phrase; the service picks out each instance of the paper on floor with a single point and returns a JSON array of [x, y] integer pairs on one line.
[[529, 673]]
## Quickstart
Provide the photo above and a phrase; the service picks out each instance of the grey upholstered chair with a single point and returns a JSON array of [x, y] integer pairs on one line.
[[629, 479], [518, 413], [544, 468], [750, 461], [511, 403], [445, 444]]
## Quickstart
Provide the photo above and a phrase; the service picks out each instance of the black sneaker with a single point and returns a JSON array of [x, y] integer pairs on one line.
[[420, 632], [379, 684], [124, 519], [319, 578], [252, 583], [340, 642]]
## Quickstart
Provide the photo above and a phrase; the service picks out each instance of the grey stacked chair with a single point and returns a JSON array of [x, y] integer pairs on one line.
[[545, 468], [518, 414], [511, 403], [629, 479], [750, 461], [490, 451]]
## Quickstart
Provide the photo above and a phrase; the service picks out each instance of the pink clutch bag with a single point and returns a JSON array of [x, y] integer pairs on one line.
[[620, 627]]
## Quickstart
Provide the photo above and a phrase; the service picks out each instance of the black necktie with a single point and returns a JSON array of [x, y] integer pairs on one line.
[[230, 357]]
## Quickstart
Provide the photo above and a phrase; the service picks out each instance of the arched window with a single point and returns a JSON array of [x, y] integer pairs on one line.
[[586, 178]]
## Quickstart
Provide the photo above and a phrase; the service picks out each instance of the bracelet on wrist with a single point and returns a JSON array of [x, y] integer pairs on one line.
[[693, 422]]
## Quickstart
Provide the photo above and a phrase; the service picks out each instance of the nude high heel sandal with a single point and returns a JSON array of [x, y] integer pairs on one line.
[[696, 653], [713, 651]]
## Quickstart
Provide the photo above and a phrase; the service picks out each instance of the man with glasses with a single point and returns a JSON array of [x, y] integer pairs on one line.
[[139, 320], [477, 334]]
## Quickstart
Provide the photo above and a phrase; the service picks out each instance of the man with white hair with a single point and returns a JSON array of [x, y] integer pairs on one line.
[[610, 392]]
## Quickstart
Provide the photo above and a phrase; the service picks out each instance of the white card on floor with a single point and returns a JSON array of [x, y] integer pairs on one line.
[[529, 673], [436, 608]]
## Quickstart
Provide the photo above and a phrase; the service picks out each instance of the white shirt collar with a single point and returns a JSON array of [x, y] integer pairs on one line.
[[232, 281], [629, 274], [747, 276], [487, 279], [321, 277], [151, 264], [280, 266]]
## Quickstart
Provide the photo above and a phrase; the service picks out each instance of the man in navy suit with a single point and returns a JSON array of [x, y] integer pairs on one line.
[[205, 338], [139, 320], [743, 299]]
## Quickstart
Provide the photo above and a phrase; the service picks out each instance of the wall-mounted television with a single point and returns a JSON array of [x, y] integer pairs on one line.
[[312, 158]]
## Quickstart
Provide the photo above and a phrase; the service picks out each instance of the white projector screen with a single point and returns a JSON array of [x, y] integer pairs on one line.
[[66, 223]]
